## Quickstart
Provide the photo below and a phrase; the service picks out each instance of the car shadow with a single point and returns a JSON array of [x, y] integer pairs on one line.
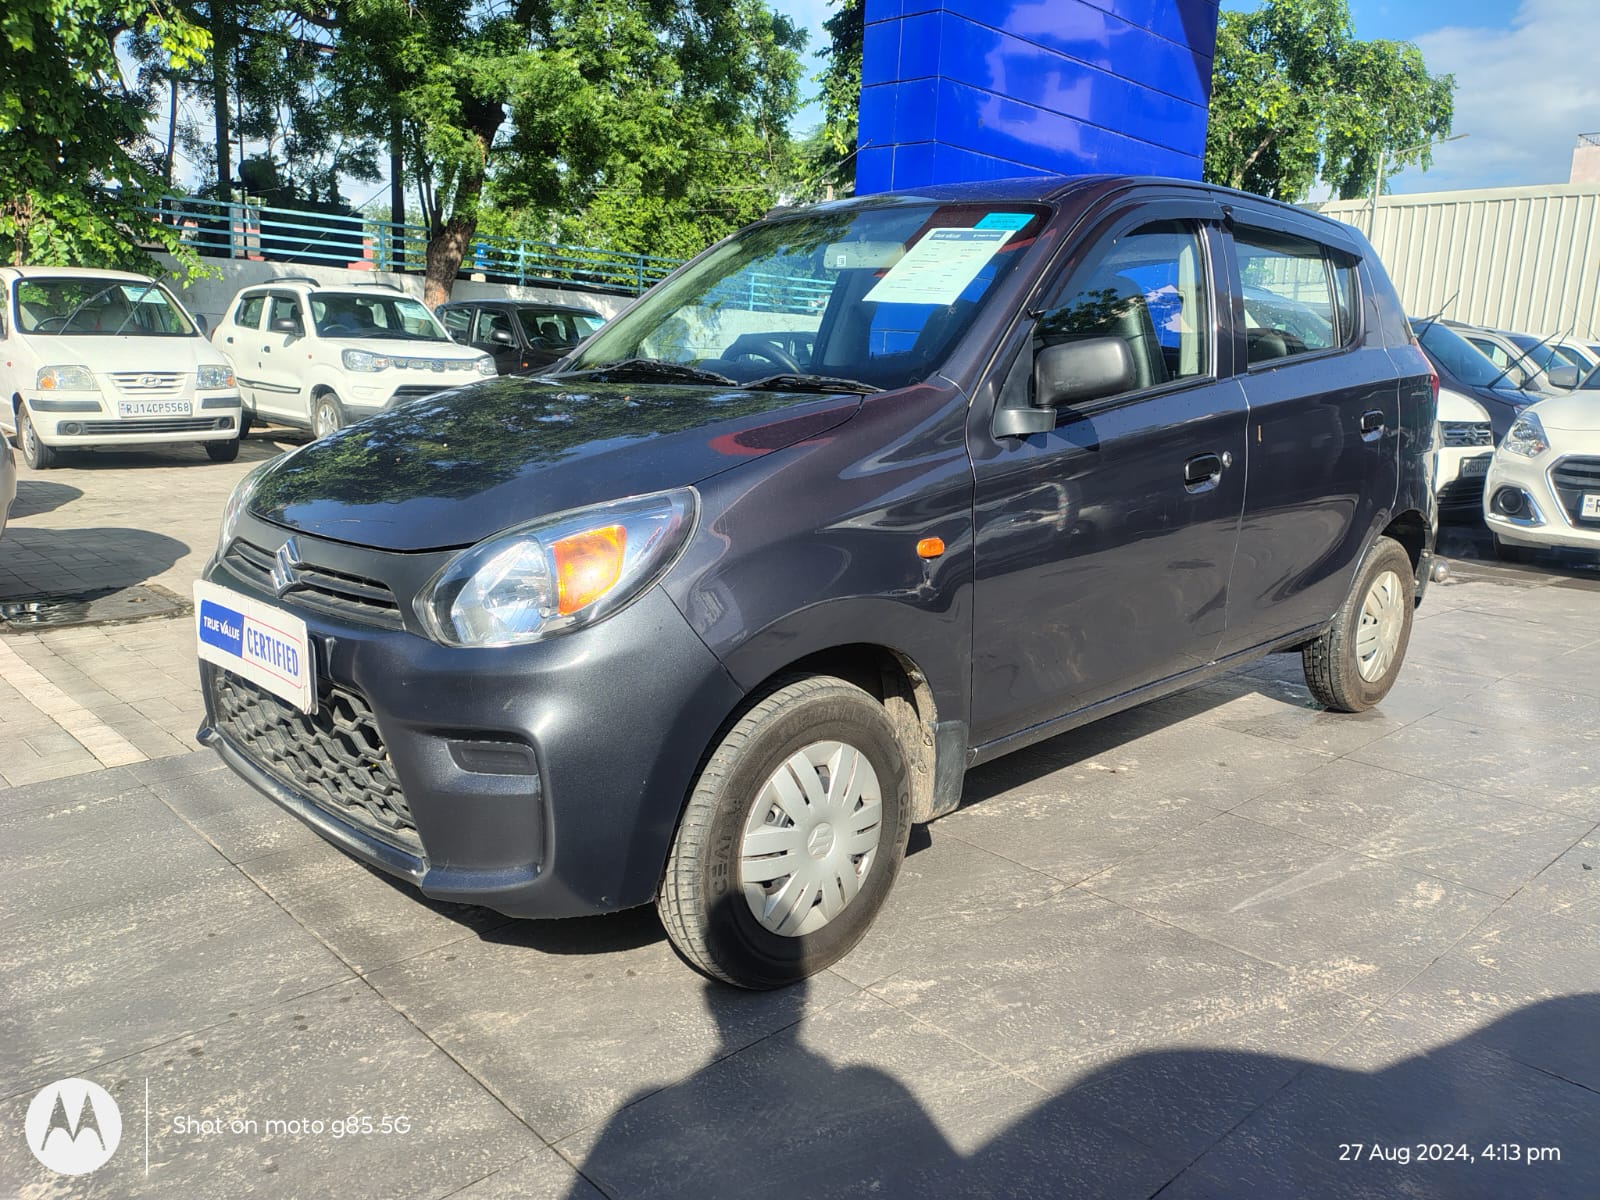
[[92, 562], [35, 496]]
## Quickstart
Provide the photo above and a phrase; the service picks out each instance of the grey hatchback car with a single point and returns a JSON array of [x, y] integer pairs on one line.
[[691, 622]]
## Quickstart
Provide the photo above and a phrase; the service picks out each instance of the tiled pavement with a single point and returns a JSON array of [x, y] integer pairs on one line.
[[1221, 946]]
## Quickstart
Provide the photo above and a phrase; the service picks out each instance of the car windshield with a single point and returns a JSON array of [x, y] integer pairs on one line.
[[98, 306], [1575, 356], [1541, 355], [555, 328], [363, 315], [878, 295], [1455, 354]]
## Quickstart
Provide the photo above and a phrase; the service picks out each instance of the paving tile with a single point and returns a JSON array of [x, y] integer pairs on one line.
[[1484, 643], [337, 1055], [98, 785], [1489, 844], [1364, 925], [1065, 993], [543, 1175], [223, 809], [565, 1020]]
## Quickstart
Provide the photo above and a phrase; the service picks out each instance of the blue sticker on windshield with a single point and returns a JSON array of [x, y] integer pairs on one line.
[[1004, 221]]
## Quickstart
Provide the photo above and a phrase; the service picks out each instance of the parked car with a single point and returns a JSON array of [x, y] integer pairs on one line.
[[1543, 487], [1582, 357], [107, 359], [1464, 369], [319, 356], [672, 626], [518, 336], [8, 482], [1466, 444], [1560, 372], [1526, 370]]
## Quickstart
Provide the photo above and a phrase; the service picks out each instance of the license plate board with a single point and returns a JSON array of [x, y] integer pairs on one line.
[[256, 641], [1591, 507], [154, 408], [1473, 467]]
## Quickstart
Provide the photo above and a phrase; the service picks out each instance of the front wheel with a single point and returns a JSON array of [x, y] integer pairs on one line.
[[327, 415], [225, 451], [34, 452], [1511, 552], [1354, 663], [792, 837]]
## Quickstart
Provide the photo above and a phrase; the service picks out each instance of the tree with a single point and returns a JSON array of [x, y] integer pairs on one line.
[[1295, 98], [71, 186], [841, 91], [622, 108]]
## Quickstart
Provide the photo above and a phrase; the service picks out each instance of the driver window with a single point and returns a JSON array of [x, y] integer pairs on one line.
[[1149, 288], [490, 322], [284, 306]]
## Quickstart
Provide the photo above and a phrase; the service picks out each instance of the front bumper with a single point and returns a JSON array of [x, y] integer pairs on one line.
[[67, 419], [1459, 482], [541, 781], [1550, 516]]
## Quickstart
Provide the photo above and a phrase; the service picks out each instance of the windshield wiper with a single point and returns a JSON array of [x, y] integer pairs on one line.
[[810, 383], [132, 308], [647, 370], [1518, 361]]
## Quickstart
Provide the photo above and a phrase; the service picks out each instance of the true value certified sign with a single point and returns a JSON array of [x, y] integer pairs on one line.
[[255, 641]]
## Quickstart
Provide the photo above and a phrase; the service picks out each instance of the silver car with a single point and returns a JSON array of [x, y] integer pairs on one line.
[[1529, 364]]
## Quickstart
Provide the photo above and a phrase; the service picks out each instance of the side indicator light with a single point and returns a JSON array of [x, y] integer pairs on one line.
[[930, 547]]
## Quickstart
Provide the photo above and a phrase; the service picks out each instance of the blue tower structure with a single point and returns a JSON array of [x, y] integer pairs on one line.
[[955, 90]]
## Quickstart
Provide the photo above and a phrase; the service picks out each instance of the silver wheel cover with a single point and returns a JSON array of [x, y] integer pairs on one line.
[[1383, 617], [811, 839], [327, 422]]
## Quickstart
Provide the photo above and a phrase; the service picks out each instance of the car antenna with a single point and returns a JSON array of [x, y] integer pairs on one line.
[[1428, 324], [1504, 371]]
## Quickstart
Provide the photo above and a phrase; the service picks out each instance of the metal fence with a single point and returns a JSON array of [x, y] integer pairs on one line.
[[241, 229]]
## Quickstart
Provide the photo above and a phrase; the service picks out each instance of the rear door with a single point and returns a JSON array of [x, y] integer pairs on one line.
[[238, 342], [1324, 423], [1104, 545], [280, 365]]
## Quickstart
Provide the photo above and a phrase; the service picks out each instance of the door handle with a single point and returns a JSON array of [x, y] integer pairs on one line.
[[229, 339], [1202, 472], [266, 349], [1372, 423]]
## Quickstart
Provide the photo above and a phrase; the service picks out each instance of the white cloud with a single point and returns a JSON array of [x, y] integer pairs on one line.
[[1524, 92]]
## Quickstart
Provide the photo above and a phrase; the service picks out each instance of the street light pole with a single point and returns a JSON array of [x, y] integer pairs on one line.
[[1377, 181]]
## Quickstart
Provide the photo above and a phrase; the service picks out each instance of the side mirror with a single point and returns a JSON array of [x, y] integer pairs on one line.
[[1564, 377], [286, 325], [503, 336], [202, 325], [1068, 373]]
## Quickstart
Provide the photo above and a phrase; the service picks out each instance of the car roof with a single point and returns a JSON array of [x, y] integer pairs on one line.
[[35, 272], [304, 283]]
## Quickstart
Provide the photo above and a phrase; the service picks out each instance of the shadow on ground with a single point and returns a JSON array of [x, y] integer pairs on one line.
[[35, 496], [81, 561]]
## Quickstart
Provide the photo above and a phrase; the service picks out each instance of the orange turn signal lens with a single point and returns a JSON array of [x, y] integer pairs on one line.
[[930, 547], [588, 565]]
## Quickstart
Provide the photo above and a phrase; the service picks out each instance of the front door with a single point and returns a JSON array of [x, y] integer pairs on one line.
[[493, 333], [1104, 546]]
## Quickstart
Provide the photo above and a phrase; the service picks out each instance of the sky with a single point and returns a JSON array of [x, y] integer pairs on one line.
[[1527, 81]]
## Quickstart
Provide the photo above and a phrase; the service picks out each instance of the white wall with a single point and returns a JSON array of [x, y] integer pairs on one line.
[[209, 297]]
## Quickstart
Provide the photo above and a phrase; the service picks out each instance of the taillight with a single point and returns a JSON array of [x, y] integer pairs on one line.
[[1433, 382]]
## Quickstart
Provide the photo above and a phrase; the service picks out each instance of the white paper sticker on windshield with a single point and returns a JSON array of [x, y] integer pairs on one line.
[[939, 267]]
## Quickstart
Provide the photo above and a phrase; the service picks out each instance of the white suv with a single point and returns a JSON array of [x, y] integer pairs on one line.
[[107, 358], [321, 356]]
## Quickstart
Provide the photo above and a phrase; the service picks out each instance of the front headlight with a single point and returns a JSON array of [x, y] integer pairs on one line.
[[238, 500], [211, 377], [365, 360], [1526, 437], [68, 378], [485, 365], [557, 574]]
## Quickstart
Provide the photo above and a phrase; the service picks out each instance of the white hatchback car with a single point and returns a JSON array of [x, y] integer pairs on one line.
[[1465, 445], [1543, 489], [107, 358], [320, 356]]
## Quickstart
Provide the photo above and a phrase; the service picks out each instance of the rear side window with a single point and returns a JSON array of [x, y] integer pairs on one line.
[[248, 313], [1290, 306], [1148, 287]]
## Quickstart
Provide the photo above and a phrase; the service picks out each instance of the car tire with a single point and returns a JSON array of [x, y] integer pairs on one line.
[[327, 415], [1509, 552], [34, 452], [1355, 661], [223, 451], [246, 419], [773, 781]]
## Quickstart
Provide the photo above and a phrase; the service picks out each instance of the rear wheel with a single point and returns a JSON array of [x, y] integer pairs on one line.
[[34, 452], [223, 451], [327, 415], [792, 837], [1354, 663]]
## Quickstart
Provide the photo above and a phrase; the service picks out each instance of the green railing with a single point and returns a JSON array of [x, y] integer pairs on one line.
[[241, 229]]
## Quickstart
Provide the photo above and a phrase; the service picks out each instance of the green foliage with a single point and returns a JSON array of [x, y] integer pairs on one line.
[[1296, 97], [841, 91], [70, 182]]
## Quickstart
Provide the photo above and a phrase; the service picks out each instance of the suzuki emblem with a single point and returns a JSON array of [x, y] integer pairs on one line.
[[286, 566]]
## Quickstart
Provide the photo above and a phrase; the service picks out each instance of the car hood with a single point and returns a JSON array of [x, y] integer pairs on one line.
[[455, 467], [1453, 406], [1577, 411], [129, 352]]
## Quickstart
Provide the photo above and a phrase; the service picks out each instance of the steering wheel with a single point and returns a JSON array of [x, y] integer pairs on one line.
[[60, 323], [747, 346]]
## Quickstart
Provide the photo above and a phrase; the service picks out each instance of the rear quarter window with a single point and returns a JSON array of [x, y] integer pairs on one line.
[[1297, 298]]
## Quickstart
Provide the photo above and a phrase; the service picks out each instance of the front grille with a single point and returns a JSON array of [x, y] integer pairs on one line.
[[348, 597], [1467, 433], [1574, 478], [1466, 492], [334, 757], [156, 425], [412, 391], [149, 383]]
